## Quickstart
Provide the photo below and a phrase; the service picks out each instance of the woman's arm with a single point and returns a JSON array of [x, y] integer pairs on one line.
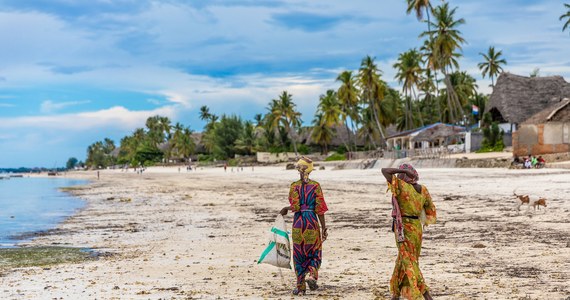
[[389, 172], [323, 227]]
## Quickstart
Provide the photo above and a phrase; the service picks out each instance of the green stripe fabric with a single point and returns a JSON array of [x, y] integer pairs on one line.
[[280, 232], [266, 251]]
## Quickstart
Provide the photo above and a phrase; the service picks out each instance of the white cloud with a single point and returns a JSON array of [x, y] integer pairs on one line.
[[7, 105], [114, 117], [49, 106]]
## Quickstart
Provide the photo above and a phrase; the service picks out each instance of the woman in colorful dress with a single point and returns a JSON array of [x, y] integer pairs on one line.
[[412, 206], [309, 229]]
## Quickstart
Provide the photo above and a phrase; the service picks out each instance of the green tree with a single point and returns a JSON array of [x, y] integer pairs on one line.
[[372, 89], [283, 112], [409, 74], [247, 141], [225, 134], [322, 134], [348, 100], [368, 131], [181, 144], [491, 65], [566, 16], [71, 163], [447, 40]]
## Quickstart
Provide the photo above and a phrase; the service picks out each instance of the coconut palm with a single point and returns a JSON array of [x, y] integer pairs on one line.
[[348, 99], [246, 141], [371, 88], [322, 134], [492, 64], [205, 113], [447, 41], [409, 75], [283, 113], [368, 131], [566, 16]]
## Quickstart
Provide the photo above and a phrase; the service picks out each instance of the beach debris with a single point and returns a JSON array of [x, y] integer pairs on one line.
[[479, 245], [290, 166], [111, 198], [125, 199]]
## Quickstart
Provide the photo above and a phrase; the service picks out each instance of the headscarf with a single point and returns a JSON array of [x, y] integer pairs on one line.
[[305, 167], [405, 177], [398, 225]]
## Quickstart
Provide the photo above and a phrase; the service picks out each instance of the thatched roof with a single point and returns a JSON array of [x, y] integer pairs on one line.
[[438, 131], [558, 112], [516, 98], [430, 132]]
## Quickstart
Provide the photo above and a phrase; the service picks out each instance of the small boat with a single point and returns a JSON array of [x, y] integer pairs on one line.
[[16, 175], [4, 176]]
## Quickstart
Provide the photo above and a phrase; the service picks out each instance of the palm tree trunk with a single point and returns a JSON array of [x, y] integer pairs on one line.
[[373, 107], [434, 69], [293, 140], [418, 108]]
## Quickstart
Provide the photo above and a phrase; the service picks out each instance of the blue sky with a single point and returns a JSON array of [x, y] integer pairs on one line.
[[73, 72]]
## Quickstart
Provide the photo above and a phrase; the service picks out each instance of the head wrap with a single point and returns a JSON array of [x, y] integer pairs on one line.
[[405, 177], [305, 167]]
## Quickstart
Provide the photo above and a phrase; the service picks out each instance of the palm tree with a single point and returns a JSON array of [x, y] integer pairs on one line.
[[447, 41], [368, 131], [322, 134], [205, 113], [409, 74], [371, 88], [330, 108], [348, 100], [246, 142], [492, 64], [566, 16], [283, 112]]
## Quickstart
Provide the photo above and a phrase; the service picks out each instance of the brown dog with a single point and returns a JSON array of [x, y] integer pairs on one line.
[[539, 202], [525, 199]]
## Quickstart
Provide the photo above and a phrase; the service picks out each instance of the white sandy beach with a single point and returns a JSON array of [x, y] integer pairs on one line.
[[197, 235]]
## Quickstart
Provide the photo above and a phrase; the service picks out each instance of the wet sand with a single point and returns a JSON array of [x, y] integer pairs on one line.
[[198, 235]]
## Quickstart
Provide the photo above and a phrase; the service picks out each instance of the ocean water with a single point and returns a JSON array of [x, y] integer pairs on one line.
[[33, 204]]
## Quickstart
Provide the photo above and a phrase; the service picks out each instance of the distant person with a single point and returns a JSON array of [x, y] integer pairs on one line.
[[309, 229], [411, 204], [97, 175], [534, 161], [541, 162], [527, 163], [225, 167]]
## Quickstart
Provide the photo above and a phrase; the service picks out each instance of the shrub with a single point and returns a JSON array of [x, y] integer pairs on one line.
[[336, 156]]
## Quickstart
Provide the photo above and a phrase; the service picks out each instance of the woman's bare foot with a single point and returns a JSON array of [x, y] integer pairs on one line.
[[427, 296], [395, 298]]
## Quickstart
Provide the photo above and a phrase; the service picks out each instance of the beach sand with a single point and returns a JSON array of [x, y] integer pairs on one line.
[[198, 235]]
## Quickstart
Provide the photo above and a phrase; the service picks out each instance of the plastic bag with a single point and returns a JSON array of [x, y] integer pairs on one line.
[[278, 251]]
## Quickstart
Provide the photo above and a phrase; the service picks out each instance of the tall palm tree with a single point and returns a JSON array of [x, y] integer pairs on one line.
[[409, 74], [368, 131], [348, 99], [566, 16], [330, 108], [370, 88], [205, 113], [492, 64], [283, 112], [246, 141], [447, 40], [322, 134]]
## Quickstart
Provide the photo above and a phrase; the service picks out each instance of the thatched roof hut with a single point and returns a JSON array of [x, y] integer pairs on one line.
[[516, 98], [558, 112], [439, 131], [340, 137]]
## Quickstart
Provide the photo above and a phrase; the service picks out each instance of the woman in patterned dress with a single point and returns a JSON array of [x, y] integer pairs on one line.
[[309, 229], [412, 207]]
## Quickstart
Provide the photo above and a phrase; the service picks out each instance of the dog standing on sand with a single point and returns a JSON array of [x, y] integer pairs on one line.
[[525, 199], [540, 202]]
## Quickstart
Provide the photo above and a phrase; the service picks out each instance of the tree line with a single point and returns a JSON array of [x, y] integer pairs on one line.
[[433, 89]]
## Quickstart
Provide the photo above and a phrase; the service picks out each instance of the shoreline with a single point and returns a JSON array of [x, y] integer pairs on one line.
[[174, 235]]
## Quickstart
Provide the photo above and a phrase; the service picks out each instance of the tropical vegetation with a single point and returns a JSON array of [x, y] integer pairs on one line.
[[354, 115]]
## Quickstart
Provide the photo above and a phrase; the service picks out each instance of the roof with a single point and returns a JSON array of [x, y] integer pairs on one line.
[[431, 131], [558, 112], [519, 97], [439, 131]]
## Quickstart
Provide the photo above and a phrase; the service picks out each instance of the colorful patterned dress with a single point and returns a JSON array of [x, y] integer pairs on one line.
[[307, 201], [407, 279]]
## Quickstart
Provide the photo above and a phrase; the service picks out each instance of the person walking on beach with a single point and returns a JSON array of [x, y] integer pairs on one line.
[[308, 203], [412, 206]]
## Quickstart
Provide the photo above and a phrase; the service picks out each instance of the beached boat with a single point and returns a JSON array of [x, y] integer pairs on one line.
[[4, 176]]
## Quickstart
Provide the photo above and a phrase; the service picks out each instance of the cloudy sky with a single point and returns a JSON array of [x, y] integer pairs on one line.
[[73, 72]]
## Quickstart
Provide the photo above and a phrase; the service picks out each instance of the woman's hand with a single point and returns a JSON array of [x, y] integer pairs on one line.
[[411, 174], [325, 234], [284, 211]]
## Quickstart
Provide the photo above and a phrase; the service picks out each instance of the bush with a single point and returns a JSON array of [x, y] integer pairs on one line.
[[205, 158], [303, 149], [341, 149], [335, 157]]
